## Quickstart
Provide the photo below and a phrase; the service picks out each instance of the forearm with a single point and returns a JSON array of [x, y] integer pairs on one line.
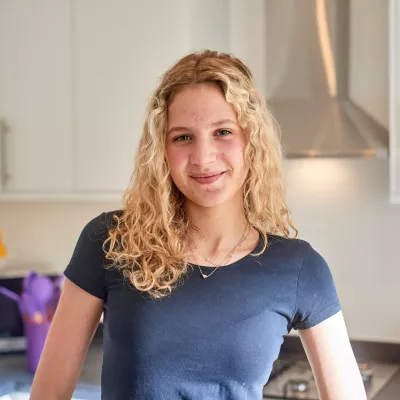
[[339, 389], [53, 380]]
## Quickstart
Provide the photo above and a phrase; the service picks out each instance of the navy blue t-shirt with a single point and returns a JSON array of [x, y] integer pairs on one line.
[[214, 338]]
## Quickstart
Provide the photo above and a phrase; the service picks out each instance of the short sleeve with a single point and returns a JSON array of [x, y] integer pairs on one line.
[[86, 267], [316, 298]]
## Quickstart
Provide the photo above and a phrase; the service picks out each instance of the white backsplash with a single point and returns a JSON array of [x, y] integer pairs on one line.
[[340, 205]]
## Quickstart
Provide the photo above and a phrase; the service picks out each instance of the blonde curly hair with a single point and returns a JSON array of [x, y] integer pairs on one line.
[[148, 242]]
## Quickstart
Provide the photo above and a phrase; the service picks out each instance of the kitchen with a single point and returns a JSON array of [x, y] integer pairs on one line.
[[59, 167]]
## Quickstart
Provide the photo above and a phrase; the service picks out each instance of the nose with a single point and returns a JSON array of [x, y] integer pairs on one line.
[[204, 152]]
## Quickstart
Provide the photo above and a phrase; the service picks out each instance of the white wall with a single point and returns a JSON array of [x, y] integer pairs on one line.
[[44, 234], [340, 206], [209, 30]]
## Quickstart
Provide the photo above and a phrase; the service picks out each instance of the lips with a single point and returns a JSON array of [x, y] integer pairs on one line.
[[207, 178], [207, 175]]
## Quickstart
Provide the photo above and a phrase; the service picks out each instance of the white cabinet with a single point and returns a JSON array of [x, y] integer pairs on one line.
[[35, 96], [76, 76], [394, 87], [121, 48]]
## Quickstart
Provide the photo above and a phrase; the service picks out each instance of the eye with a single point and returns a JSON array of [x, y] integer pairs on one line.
[[180, 138], [224, 132]]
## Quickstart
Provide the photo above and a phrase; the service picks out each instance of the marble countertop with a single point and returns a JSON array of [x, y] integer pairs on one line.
[[14, 376]]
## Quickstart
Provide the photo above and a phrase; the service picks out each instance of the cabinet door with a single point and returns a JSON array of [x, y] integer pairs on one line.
[[35, 95], [121, 48], [394, 87]]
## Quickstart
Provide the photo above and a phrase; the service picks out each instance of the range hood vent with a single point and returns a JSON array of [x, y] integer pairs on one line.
[[307, 82]]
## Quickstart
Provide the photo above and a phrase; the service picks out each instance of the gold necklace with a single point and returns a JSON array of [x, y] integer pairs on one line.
[[230, 254]]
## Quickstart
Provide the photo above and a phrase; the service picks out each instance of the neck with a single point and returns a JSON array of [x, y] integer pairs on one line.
[[219, 228]]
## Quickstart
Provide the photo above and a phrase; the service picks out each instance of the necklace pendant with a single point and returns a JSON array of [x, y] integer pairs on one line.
[[204, 276]]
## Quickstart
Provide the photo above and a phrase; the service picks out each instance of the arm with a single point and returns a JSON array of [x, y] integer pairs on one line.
[[74, 324], [332, 360]]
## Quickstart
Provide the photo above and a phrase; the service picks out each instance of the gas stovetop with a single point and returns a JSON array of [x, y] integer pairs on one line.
[[295, 380]]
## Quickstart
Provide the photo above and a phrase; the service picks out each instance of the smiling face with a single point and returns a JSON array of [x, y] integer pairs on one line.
[[205, 146]]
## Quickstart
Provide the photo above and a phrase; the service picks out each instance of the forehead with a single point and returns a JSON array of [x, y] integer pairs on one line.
[[199, 103]]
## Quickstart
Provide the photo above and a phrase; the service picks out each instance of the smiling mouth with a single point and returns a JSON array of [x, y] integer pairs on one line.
[[205, 179], [207, 175]]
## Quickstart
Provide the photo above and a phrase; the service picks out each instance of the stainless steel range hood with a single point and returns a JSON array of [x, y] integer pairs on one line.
[[307, 82]]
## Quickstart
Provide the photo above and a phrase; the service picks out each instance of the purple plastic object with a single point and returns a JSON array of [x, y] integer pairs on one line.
[[9, 293], [43, 289], [30, 305], [46, 294], [26, 283], [35, 339], [23, 304], [37, 304], [59, 281]]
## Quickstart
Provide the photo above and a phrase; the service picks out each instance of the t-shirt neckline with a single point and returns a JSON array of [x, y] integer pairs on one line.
[[235, 263]]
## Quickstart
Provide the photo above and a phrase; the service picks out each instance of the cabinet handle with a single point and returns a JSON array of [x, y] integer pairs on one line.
[[4, 175]]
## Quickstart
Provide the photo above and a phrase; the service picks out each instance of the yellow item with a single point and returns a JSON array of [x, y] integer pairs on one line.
[[3, 248]]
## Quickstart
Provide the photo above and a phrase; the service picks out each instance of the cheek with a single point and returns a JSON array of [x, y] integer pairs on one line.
[[176, 159], [235, 151]]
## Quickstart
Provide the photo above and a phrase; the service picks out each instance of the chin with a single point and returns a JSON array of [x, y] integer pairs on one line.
[[207, 203], [210, 200]]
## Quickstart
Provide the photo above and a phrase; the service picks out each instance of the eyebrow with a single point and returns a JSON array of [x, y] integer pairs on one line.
[[217, 123]]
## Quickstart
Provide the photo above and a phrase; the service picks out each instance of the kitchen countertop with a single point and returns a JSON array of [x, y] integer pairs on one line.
[[15, 377], [391, 390]]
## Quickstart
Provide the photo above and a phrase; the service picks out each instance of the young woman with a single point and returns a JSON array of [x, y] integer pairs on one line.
[[200, 273]]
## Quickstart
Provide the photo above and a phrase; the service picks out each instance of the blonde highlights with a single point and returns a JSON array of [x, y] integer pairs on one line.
[[147, 242]]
